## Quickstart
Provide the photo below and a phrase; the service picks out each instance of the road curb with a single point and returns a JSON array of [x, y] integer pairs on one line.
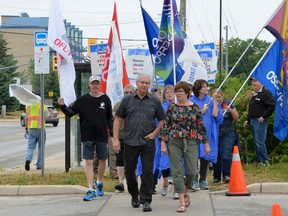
[[266, 187], [41, 190]]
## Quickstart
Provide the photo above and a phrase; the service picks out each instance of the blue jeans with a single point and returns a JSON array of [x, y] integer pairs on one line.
[[259, 132], [227, 140], [34, 138]]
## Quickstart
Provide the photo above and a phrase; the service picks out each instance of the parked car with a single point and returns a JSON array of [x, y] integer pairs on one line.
[[54, 120]]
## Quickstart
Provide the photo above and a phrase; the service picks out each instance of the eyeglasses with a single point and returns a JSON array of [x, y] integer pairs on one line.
[[128, 92], [179, 92], [142, 82], [169, 92]]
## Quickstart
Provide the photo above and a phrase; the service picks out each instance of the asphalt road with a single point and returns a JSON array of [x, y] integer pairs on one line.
[[13, 145]]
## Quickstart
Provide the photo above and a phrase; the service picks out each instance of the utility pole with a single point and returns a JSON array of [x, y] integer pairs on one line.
[[183, 14], [220, 41], [226, 50]]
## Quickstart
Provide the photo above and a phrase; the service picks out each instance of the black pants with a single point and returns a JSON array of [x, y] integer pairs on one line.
[[131, 154], [203, 170]]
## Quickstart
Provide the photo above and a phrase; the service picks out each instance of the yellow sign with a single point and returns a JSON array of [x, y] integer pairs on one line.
[[50, 93], [91, 41]]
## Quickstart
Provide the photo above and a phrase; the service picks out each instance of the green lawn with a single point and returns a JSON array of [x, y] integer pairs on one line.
[[253, 174]]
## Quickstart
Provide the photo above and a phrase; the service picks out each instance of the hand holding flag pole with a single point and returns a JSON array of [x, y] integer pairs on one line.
[[247, 79]]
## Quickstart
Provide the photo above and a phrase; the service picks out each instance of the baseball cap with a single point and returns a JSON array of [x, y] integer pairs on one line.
[[252, 78], [94, 78]]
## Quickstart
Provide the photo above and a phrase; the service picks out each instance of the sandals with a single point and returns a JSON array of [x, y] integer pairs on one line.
[[187, 200], [181, 209]]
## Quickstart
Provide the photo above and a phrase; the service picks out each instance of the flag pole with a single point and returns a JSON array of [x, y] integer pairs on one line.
[[151, 56], [240, 58], [249, 77], [250, 45], [237, 64], [173, 42]]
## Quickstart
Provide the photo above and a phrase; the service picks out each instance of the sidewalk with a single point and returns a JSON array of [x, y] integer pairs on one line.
[[202, 202]]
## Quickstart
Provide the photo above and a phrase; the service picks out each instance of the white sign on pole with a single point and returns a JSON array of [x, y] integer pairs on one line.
[[138, 61], [97, 55], [41, 53]]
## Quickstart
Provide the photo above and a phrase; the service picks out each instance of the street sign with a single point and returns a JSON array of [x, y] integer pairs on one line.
[[41, 53]]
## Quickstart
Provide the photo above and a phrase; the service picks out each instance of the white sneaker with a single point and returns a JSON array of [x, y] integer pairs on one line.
[[170, 179], [175, 196], [164, 190]]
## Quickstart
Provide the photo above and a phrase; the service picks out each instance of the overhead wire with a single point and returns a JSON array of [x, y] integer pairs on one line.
[[232, 18], [196, 20], [244, 59], [207, 19]]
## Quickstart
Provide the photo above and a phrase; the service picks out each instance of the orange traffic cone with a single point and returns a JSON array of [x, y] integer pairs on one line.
[[276, 210], [237, 186]]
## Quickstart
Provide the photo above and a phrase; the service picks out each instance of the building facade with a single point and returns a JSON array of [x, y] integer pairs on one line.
[[18, 31]]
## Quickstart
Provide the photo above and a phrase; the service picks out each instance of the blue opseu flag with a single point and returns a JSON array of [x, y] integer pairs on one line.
[[271, 74], [152, 31], [164, 54]]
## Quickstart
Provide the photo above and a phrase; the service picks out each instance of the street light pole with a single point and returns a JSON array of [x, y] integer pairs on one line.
[[183, 14]]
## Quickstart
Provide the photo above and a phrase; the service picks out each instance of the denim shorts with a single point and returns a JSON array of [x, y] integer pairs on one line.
[[101, 150]]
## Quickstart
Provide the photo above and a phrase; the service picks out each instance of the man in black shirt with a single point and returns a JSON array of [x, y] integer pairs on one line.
[[139, 109], [95, 113], [261, 107]]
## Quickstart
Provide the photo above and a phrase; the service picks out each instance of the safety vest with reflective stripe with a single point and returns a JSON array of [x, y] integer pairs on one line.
[[33, 115]]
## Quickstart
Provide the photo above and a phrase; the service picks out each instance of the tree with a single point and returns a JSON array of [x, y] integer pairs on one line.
[[7, 74], [236, 47]]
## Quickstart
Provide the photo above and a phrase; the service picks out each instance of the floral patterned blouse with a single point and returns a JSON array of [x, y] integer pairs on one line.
[[184, 122]]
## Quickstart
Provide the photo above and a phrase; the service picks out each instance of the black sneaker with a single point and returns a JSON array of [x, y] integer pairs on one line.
[[154, 192], [119, 187], [226, 180], [216, 181], [27, 165], [135, 202], [147, 207]]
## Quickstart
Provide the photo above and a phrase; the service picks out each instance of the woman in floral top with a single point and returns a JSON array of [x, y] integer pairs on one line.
[[183, 129]]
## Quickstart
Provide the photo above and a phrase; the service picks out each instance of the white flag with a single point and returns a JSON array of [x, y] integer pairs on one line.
[[192, 64], [23, 95], [115, 74], [57, 40]]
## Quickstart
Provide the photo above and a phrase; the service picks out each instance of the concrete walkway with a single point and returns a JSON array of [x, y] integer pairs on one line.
[[202, 202]]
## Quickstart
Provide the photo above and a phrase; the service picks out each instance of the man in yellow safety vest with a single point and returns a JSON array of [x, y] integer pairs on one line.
[[33, 126]]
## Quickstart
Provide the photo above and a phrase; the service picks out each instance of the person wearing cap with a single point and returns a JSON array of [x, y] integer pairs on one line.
[[261, 107], [95, 112], [33, 125]]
